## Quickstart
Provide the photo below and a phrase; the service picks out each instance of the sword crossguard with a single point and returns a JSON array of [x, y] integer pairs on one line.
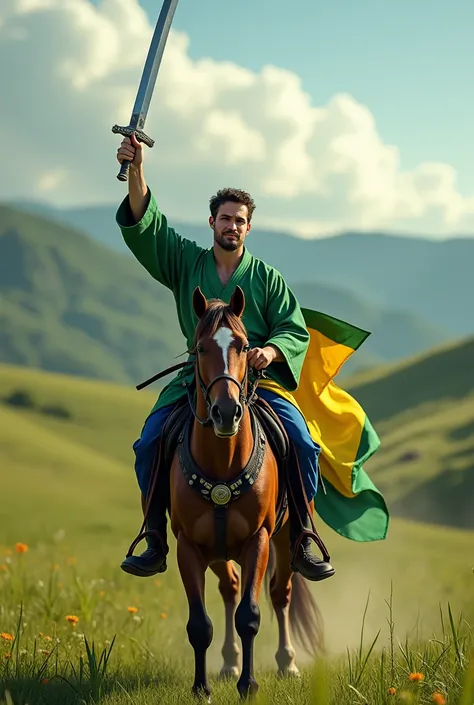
[[128, 132]]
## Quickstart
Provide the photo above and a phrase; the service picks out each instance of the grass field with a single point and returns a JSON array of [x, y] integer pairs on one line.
[[69, 494], [423, 411]]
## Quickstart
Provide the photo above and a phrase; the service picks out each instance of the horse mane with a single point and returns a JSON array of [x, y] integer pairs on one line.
[[218, 314]]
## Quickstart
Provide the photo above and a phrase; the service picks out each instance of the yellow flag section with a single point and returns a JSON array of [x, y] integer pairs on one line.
[[350, 503]]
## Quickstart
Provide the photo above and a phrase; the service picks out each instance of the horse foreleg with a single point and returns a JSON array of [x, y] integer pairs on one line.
[[280, 593], [254, 561], [229, 589], [192, 567]]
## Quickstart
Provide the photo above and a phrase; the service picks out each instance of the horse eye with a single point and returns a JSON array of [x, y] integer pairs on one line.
[[199, 348]]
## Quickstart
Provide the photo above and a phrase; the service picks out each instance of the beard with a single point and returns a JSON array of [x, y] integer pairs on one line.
[[226, 243]]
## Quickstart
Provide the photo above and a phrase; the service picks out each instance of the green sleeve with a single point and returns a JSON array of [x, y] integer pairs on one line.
[[158, 248], [288, 332]]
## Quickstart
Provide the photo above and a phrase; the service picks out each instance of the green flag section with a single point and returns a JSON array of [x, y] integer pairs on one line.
[[351, 505], [358, 510]]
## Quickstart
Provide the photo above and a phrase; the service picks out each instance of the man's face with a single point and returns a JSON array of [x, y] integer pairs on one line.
[[230, 226]]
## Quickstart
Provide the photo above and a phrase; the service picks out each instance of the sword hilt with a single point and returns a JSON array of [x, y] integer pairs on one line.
[[128, 132]]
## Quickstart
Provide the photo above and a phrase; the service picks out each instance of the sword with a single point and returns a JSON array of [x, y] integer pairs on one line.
[[147, 83]]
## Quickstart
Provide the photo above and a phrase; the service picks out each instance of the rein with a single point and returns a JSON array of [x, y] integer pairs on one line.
[[259, 374], [158, 376]]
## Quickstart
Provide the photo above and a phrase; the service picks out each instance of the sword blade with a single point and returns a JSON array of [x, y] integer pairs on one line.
[[147, 82], [152, 64]]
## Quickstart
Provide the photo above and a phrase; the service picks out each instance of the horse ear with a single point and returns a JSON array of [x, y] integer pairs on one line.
[[237, 302], [199, 302]]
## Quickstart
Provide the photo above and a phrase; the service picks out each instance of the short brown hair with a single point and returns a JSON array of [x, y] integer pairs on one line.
[[236, 196]]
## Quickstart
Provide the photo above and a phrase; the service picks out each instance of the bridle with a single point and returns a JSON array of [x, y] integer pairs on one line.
[[243, 398]]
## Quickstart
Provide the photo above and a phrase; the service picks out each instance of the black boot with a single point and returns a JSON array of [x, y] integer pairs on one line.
[[153, 559], [150, 562], [302, 559]]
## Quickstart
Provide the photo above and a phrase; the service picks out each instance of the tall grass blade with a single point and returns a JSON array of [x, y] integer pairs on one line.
[[455, 636]]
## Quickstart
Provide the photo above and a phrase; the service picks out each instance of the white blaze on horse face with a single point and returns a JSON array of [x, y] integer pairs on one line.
[[223, 338]]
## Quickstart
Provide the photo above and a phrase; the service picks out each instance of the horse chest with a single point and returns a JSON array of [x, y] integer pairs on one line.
[[220, 532], [201, 529]]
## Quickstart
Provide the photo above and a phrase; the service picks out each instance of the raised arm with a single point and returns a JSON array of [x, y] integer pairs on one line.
[[159, 249]]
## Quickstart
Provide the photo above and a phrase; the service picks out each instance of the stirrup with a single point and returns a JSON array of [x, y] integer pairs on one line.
[[318, 569], [311, 534], [144, 534]]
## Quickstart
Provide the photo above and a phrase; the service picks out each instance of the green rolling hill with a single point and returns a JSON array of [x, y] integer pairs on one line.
[[423, 410], [72, 306]]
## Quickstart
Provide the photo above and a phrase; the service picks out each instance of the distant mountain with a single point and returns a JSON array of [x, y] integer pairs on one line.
[[74, 306], [70, 305], [423, 411], [430, 279], [395, 334]]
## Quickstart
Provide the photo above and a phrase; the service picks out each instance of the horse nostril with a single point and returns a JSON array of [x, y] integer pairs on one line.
[[238, 412], [216, 414]]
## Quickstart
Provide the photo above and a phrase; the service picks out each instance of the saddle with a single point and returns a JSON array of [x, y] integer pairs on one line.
[[266, 427]]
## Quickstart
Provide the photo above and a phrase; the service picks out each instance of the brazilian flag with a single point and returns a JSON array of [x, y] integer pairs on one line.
[[352, 505]]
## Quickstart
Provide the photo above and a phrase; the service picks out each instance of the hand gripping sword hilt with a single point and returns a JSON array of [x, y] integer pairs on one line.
[[128, 132]]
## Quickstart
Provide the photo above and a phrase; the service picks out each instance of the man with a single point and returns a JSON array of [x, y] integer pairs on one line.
[[277, 334]]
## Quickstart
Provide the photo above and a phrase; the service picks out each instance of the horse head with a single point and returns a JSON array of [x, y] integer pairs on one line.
[[221, 346]]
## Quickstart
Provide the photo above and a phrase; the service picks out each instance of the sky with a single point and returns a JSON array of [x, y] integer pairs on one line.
[[335, 116], [410, 63]]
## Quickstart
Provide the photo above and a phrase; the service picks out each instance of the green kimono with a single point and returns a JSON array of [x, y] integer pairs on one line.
[[272, 314]]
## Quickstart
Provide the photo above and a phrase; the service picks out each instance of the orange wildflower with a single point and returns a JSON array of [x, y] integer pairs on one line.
[[72, 619], [416, 677], [72, 560], [21, 547], [45, 652], [163, 615], [6, 636], [132, 610], [7, 655], [48, 638], [44, 681], [438, 699], [3, 566], [392, 691]]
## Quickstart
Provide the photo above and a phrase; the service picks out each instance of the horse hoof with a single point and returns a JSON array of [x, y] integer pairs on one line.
[[289, 672], [202, 693], [228, 673], [247, 690]]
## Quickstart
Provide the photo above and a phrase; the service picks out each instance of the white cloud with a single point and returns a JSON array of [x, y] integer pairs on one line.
[[73, 71]]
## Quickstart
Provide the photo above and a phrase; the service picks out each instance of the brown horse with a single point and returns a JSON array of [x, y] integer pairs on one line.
[[224, 494]]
